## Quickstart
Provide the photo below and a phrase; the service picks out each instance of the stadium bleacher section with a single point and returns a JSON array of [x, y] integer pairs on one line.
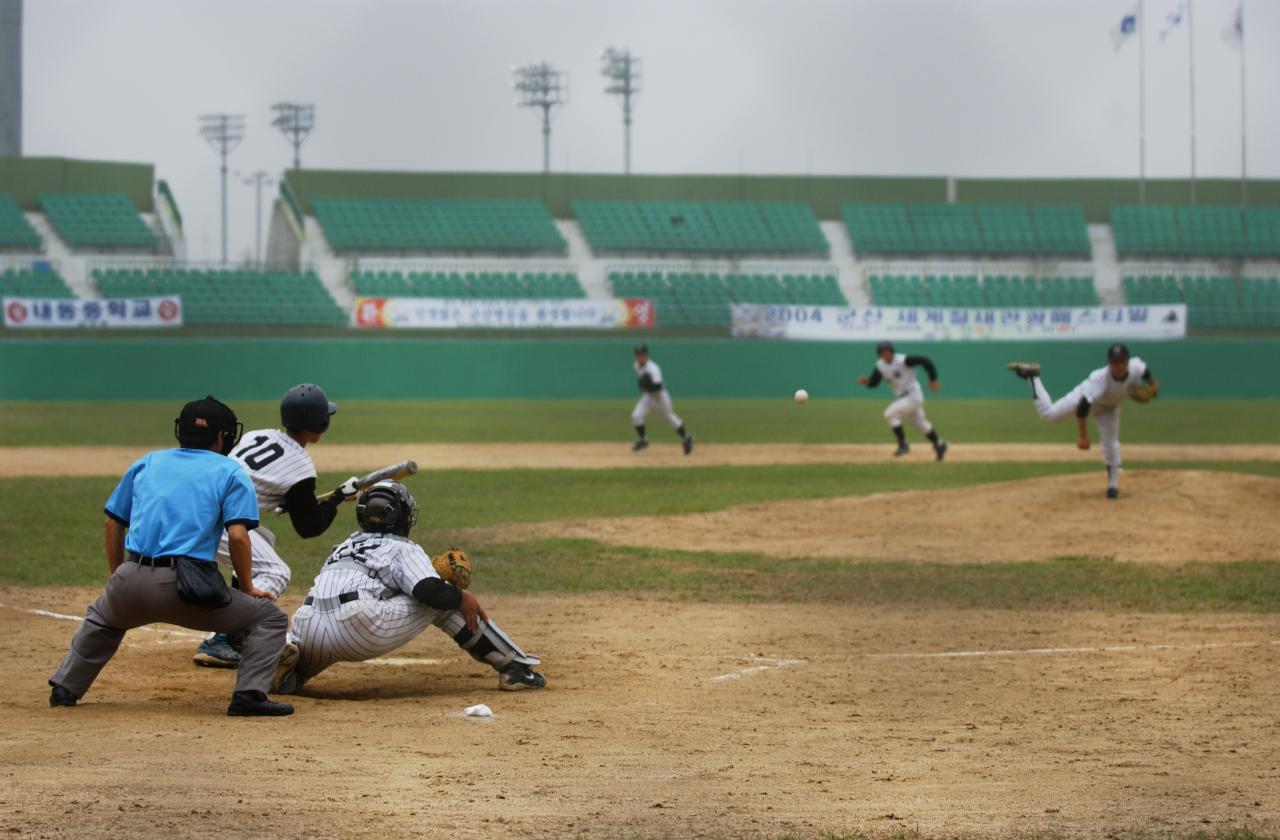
[[494, 285], [438, 224], [16, 233], [230, 296], [97, 220], [711, 227], [1214, 302], [703, 299], [935, 228], [33, 283], [966, 291], [1209, 230]]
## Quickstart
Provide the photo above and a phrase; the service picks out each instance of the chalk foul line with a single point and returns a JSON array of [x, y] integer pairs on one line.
[[79, 618], [962, 654], [765, 664]]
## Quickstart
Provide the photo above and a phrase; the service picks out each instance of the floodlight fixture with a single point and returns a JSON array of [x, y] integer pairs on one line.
[[258, 179], [541, 86], [295, 121], [622, 70], [223, 132]]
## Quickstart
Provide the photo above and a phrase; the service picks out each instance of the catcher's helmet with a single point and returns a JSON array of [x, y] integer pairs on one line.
[[1118, 353], [387, 508], [197, 426], [306, 408], [884, 345]]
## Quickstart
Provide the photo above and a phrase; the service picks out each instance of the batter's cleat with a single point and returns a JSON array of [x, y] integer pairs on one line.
[[903, 449], [1026, 370], [517, 677], [940, 450], [1113, 492], [687, 443], [217, 652], [642, 443], [256, 704], [60, 696], [286, 679]]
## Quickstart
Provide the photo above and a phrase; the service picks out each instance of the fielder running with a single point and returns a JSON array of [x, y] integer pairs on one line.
[[899, 370], [1100, 395], [284, 476], [379, 590], [654, 396]]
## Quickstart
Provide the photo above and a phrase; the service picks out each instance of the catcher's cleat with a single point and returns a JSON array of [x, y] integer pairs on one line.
[[687, 443], [639, 444], [1113, 492], [256, 704], [940, 450], [60, 696], [286, 679], [903, 449], [217, 652], [1026, 370], [517, 677]]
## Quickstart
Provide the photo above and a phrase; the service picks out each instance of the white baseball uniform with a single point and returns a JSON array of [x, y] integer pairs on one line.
[[275, 462], [906, 387], [360, 607], [658, 400], [1105, 393]]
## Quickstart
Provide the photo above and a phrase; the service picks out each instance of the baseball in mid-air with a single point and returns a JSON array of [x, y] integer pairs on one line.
[[802, 396]]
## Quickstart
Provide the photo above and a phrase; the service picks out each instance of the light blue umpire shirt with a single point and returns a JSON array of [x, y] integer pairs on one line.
[[177, 502]]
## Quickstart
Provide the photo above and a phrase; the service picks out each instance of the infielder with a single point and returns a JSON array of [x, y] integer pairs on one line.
[[1100, 395], [900, 371], [654, 396], [284, 476], [379, 590]]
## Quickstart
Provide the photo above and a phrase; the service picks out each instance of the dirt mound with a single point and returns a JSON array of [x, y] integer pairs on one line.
[[1162, 516]]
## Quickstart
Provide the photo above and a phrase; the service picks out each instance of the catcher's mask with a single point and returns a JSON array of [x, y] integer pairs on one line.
[[197, 426], [387, 508]]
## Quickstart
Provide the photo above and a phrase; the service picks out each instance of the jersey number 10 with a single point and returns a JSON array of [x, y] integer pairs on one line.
[[256, 456]]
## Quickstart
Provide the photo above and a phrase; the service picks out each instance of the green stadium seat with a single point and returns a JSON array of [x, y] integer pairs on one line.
[[215, 296], [97, 220], [16, 233], [1211, 230], [1141, 230], [712, 227], [403, 224], [1061, 230], [34, 283], [879, 228]]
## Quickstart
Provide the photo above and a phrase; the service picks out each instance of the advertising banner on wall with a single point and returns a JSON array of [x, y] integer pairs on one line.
[[442, 314], [838, 323], [46, 313]]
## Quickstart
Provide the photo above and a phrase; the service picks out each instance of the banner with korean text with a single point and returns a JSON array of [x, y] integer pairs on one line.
[[442, 314], [874, 323], [55, 313]]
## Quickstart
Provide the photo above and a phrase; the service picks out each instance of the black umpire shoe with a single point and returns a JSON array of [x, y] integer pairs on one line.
[[256, 704], [517, 677], [61, 697]]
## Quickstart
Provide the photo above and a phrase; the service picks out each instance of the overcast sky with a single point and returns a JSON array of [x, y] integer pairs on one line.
[[1001, 88]]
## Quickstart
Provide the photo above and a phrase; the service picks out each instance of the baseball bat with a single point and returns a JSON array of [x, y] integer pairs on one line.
[[400, 470]]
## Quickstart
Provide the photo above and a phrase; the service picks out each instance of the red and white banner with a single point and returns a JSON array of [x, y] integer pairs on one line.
[[449, 314], [53, 313]]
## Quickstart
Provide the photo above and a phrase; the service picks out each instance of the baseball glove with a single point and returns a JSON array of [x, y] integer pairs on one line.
[[1146, 392], [454, 566]]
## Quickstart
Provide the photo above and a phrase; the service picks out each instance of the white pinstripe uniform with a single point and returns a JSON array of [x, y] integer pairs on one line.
[[659, 401], [275, 462], [359, 607], [906, 388], [1105, 393]]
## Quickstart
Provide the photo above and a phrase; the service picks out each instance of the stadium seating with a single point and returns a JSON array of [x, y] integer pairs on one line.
[[1262, 231], [945, 228], [1061, 230], [1211, 230], [33, 283], [965, 291], [694, 299], [879, 228], [488, 285], [454, 225], [97, 220], [15, 231], [1214, 302], [231, 296], [712, 227], [1006, 229], [989, 229]]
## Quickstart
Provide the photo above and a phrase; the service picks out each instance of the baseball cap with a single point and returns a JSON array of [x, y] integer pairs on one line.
[[200, 421], [642, 348], [1117, 352]]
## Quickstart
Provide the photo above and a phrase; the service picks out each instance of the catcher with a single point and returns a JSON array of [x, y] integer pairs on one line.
[[379, 589], [1100, 395]]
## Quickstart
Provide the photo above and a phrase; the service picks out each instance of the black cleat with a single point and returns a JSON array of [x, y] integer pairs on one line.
[[1113, 492], [639, 444], [1026, 370], [517, 677], [61, 697], [687, 443], [941, 449], [256, 704], [903, 449]]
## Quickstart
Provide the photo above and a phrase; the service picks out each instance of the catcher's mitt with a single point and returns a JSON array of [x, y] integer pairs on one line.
[[454, 566], [1146, 392]]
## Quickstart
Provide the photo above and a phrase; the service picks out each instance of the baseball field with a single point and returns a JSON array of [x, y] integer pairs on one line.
[[787, 634]]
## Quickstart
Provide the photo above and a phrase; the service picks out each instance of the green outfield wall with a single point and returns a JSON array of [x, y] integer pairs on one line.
[[361, 368], [26, 177]]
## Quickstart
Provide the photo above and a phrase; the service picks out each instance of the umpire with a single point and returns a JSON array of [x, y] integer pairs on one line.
[[175, 504]]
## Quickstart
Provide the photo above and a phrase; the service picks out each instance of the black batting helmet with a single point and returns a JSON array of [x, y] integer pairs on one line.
[[199, 422], [1118, 353], [306, 408], [387, 508], [884, 345]]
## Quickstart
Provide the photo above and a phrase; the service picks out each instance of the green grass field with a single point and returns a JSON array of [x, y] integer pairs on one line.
[[50, 533]]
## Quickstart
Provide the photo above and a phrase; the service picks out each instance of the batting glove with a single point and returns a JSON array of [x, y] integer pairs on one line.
[[346, 490]]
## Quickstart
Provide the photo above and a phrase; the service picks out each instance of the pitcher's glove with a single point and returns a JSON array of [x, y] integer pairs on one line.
[[1146, 392], [453, 566]]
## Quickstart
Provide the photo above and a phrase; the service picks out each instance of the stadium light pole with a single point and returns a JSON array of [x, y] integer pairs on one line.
[[258, 179], [295, 121], [223, 132], [622, 69], [541, 86]]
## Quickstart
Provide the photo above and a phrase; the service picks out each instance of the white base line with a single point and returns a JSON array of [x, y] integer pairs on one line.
[[77, 619], [755, 669], [959, 654]]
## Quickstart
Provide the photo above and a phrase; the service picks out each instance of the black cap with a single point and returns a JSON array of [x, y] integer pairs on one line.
[[200, 421], [885, 345], [642, 348], [1117, 353]]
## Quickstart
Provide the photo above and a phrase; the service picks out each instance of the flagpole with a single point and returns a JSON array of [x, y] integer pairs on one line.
[[1142, 102], [1191, 68], [1244, 179]]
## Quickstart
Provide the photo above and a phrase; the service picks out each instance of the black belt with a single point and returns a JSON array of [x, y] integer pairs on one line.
[[158, 562], [344, 598]]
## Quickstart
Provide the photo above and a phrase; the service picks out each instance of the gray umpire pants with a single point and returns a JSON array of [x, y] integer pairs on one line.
[[138, 595]]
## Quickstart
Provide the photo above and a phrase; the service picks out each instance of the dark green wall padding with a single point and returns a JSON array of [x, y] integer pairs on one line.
[[26, 177], [122, 368]]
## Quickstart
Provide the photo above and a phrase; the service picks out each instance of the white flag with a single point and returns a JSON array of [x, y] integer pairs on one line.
[[1233, 34], [1126, 28], [1174, 19]]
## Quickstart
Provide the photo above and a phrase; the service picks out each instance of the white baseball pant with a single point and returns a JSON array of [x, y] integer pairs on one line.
[[270, 573], [659, 401], [1107, 418], [328, 631], [911, 408]]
